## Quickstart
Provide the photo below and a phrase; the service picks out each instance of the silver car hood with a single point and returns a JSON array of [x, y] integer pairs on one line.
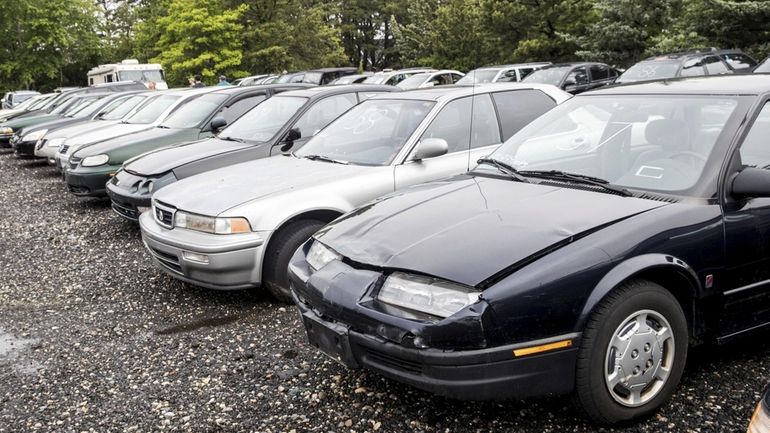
[[112, 131], [81, 128], [217, 191]]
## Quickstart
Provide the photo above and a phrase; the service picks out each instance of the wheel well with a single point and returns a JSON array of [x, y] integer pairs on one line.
[[324, 215], [683, 289]]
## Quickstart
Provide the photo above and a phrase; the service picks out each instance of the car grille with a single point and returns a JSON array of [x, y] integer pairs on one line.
[[64, 148], [169, 261], [74, 161], [393, 362], [76, 189], [126, 211], [164, 215]]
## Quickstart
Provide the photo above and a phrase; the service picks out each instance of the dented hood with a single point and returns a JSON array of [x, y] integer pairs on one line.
[[468, 228], [166, 159]]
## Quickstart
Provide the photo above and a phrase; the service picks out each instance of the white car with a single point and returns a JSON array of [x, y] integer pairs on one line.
[[393, 77], [237, 227], [423, 80], [501, 73]]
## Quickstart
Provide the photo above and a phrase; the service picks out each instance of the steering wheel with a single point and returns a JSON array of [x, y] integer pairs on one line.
[[688, 153]]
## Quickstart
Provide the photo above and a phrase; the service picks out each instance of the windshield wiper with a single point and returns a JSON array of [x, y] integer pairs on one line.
[[578, 178], [163, 127], [229, 138], [325, 159], [504, 168]]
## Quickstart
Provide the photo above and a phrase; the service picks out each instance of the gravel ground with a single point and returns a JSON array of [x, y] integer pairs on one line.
[[94, 338]]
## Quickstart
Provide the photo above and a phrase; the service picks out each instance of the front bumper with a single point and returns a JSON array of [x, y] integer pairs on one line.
[[24, 148], [88, 182], [235, 261], [130, 194], [5, 140], [343, 326]]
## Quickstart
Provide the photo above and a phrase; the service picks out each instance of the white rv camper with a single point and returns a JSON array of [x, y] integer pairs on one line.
[[128, 70]]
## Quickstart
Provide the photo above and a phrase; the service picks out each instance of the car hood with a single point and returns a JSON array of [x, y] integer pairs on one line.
[[107, 133], [22, 121], [216, 191], [80, 128], [468, 228], [54, 125], [125, 140], [166, 159]]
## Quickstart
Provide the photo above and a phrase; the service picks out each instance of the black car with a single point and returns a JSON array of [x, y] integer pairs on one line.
[[760, 422], [585, 255], [282, 124], [574, 77], [688, 64]]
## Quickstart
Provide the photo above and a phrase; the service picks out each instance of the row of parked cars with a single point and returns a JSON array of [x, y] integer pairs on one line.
[[486, 241]]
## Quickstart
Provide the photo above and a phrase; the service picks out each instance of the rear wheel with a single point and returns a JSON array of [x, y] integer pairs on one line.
[[282, 247], [632, 353]]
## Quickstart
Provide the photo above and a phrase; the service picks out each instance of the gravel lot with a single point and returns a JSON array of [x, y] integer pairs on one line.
[[94, 338]]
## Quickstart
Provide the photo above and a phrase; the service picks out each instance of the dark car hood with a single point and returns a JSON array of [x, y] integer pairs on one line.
[[467, 229], [168, 158], [109, 145], [53, 125]]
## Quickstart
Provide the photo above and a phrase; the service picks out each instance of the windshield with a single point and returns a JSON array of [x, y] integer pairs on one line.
[[265, 120], [64, 105], [371, 133], [193, 113], [551, 76], [478, 76], [763, 67], [27, 103], [414, 81], [652, 70], [143, 76], [119, 108], [151, 111], [39, 103], [656, 143], [86, 108]]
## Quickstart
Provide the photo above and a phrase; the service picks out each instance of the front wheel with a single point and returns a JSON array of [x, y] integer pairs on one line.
[[282, 247], [632, 353]]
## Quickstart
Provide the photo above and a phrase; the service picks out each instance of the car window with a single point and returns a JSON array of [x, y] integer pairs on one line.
[[509, 76], [194, 112], [524, 72], [519, 107], [454, 78], [599, 72], [122, 108], [714, 65], [151, 110], [323, 112], [578, 75], [264, 121], [738, 61], [693, 68], [755, 150], [241, 106], [453, 125], [484, 127]]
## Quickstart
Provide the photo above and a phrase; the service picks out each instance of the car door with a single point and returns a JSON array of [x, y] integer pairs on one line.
[[747, 242]]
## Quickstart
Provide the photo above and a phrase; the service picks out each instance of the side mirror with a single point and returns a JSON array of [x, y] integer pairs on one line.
[[751, 183], [429, 84], [430, 148], [218, 123], [288, 140]]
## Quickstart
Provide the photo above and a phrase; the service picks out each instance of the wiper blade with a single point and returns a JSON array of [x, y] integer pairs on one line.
[[578, 178], [325, 159], [228, 138], [504, 168]]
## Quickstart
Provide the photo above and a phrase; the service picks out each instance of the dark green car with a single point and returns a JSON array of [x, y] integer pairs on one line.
[[92, 166]]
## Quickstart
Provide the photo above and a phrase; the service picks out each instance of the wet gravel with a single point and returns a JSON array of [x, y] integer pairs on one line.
[[94, 338]]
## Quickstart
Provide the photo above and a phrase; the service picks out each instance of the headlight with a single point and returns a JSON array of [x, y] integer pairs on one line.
[[760, 422], [95, 161], [55, 142], [34, 136], [320, 255], [6, 131], [219, 226], [425, 294]]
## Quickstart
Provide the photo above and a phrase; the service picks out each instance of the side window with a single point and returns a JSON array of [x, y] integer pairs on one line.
[[523, 72], [454, 78], [453, 125], [578, 76], [91, 81], [395, 79], [755, 150], [739, 61], [323, 112], [599, 73], [613, 73], [484, 127], [715, 66], [519, 107], [109, 78], [693, 67], [241, 106], [508, 76]]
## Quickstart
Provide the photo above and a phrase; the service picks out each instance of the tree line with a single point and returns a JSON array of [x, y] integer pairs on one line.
[[50, 43]]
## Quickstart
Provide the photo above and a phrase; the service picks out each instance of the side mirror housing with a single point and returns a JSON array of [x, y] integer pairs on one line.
[[751, 183], [430, 148], [218, 123], [288, 140]]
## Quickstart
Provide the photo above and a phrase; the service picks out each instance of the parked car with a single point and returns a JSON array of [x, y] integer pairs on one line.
[[294, 77], [27, 141], [30, 104], [687, 64], [282, 124], [574, 77], [423, 80], [152, 113], [502, 73], [351, 79], [737, 60], [12, 99], [249, 81], [587, 269], [11, 127], [237, 227], [90, 167], [392, 77], [121, 108], [763, 67], [324, 76], [760, 422]]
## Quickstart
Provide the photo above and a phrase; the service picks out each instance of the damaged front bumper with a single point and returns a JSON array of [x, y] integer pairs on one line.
[[343, 320]]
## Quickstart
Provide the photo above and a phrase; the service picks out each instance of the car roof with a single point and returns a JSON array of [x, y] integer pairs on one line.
[[745, 84], [512, 65], [234, 90], [450, 91], [25, 92], [572, 65], [320, 91], [346, 68]]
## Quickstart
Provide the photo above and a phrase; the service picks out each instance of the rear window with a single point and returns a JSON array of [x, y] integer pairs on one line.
[[520, 107], [650, 70]]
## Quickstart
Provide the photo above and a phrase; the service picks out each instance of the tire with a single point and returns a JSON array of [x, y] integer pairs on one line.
[[602, 386], [282, 247]]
